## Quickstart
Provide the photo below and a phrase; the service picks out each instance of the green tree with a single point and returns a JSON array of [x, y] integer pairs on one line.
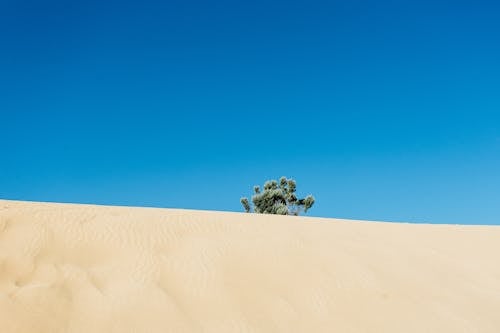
[[278, 198]]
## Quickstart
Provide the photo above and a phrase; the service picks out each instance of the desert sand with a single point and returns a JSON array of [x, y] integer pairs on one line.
[[87, 268]]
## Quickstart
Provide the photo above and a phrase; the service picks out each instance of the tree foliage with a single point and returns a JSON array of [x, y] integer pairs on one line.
[[278, 198]]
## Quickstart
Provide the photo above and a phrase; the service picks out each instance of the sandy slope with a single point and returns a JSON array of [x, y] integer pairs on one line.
[[83, 268]]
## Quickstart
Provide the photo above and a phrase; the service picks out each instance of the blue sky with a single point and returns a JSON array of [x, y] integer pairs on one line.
[[383, 110]]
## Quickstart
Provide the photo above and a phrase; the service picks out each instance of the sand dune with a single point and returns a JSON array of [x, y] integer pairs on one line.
[[84, 268]]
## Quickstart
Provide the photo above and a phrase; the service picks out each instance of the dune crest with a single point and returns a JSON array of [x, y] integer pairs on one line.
[[85, 268]]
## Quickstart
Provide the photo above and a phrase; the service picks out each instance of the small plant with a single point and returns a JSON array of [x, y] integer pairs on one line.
[[278, 198]]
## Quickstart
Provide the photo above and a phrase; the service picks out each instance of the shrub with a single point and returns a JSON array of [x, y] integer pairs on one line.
[[278, 198]]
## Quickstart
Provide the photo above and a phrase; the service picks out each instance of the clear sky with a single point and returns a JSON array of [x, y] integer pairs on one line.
[[383, 110]]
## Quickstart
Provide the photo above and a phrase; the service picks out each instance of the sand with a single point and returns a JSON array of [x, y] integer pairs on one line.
[[85, 268]]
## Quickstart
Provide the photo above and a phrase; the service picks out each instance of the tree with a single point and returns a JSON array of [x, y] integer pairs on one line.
[[278, 198]]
